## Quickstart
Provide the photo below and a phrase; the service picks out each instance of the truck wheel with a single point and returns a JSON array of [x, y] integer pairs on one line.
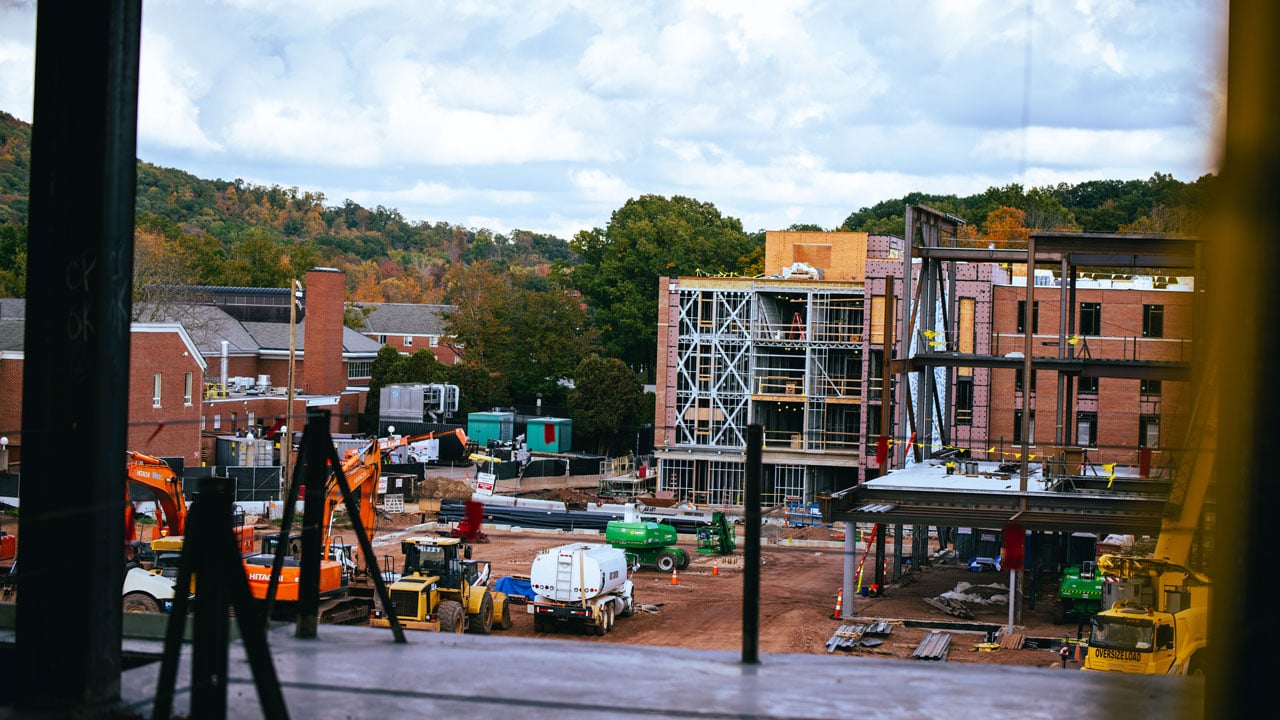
[[666, 561], [504, 622], [482, 622], [140, 602], [608, 616], [453, 618], [602, 622], [628, 607], [684, 560]]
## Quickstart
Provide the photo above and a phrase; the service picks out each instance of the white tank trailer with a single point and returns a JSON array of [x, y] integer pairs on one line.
[[580, 584]]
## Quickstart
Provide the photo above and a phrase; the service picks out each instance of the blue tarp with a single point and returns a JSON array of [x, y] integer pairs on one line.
[[514, 586]]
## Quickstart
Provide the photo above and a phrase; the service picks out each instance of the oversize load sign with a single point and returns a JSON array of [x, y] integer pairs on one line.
[[1109, 654]]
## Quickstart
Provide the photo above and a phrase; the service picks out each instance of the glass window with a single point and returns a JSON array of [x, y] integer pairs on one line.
[[1087, 429], [1153, 321], [1017, 380], [1035, 316], [434, 341], [408, 341], [1017, 426], [1090, 318], [1149, 431], [1149, 387], [1088, 386], [186, 389], [964, 401], [155, 390]]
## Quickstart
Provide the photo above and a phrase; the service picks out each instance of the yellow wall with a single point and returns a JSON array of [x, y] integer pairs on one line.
[[840, 255]]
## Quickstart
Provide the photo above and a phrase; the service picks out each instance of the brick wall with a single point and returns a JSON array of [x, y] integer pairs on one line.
[[11, 403], [324, 372], [173, 428], [1118, 405]]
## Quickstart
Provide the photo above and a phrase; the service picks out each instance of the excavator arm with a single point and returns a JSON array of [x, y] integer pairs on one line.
[[156, 475], [363, 468]]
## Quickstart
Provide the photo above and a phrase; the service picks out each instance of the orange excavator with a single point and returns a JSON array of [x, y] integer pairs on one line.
[[157, 476], [344, 596]]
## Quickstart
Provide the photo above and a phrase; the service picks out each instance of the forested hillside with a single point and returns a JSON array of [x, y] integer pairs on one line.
[[534, 310]]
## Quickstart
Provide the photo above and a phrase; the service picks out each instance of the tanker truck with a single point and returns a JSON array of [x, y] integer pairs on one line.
[[581, 585]]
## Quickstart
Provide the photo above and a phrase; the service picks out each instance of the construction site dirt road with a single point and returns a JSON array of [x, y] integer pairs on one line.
[[800, 579]]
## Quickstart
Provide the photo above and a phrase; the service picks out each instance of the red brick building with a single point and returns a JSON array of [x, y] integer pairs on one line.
[[409, 328], [219, 366], [1141, 318]]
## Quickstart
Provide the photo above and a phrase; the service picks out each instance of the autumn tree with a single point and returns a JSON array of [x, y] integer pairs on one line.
[[647, 238], [1006, 228], [1165, 220]]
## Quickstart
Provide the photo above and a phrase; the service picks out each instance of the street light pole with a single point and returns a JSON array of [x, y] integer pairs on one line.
[[286, 445]]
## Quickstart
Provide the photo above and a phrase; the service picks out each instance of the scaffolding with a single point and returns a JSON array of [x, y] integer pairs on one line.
[[785, 354]]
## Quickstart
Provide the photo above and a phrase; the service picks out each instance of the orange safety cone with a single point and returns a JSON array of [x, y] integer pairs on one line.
[[839, 605], [715, 567], [675, 578], [1079, 652]]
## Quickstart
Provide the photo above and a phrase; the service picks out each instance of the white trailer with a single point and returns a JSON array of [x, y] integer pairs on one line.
[[581, 584]]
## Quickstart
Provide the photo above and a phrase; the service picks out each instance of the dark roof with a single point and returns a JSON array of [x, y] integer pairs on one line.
[[207, 325], [13, 308], [405, 318], [275, 336], [11, 333]]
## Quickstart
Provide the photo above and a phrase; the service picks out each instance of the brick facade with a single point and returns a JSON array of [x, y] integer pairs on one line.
[[323, 372], [167, 424]]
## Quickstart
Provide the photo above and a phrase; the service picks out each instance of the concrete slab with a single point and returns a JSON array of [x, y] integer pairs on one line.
[[356, 672]]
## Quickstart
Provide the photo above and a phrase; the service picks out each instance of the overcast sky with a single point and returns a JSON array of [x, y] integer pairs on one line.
[[549, 115]]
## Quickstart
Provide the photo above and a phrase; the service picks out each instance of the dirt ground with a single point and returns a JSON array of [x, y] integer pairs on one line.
[[701, 606]]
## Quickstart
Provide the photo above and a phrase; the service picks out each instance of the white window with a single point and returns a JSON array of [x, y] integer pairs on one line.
[[435, 341], [382, 339], [217, 422], [408, 341], [202, 420], [155, 390], [186, 389], [253, 419]]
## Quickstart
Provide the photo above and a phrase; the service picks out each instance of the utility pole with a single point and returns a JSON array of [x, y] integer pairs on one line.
[[286, 444]]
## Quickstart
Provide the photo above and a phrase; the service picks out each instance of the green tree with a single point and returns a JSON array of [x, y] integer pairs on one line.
[[531, 338], [606, 403], [423, 367], [388, 368], [647, 238], [13, 261], [478, 389]]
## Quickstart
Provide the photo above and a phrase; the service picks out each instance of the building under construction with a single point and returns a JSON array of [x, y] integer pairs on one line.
[[801, 351]]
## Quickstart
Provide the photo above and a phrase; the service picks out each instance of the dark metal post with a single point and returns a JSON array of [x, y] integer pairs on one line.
[[316, 475], [210, 633], [80, 265], [751, 550]]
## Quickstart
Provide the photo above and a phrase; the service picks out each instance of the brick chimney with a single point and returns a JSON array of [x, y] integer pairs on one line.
[[322, 368]]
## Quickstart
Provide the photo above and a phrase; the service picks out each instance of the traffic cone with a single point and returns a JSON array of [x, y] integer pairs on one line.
[[675, 577], [839, 605], [715, 567], [1079, 652]]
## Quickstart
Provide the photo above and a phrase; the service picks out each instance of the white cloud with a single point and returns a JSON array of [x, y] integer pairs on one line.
[[548, 116]]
